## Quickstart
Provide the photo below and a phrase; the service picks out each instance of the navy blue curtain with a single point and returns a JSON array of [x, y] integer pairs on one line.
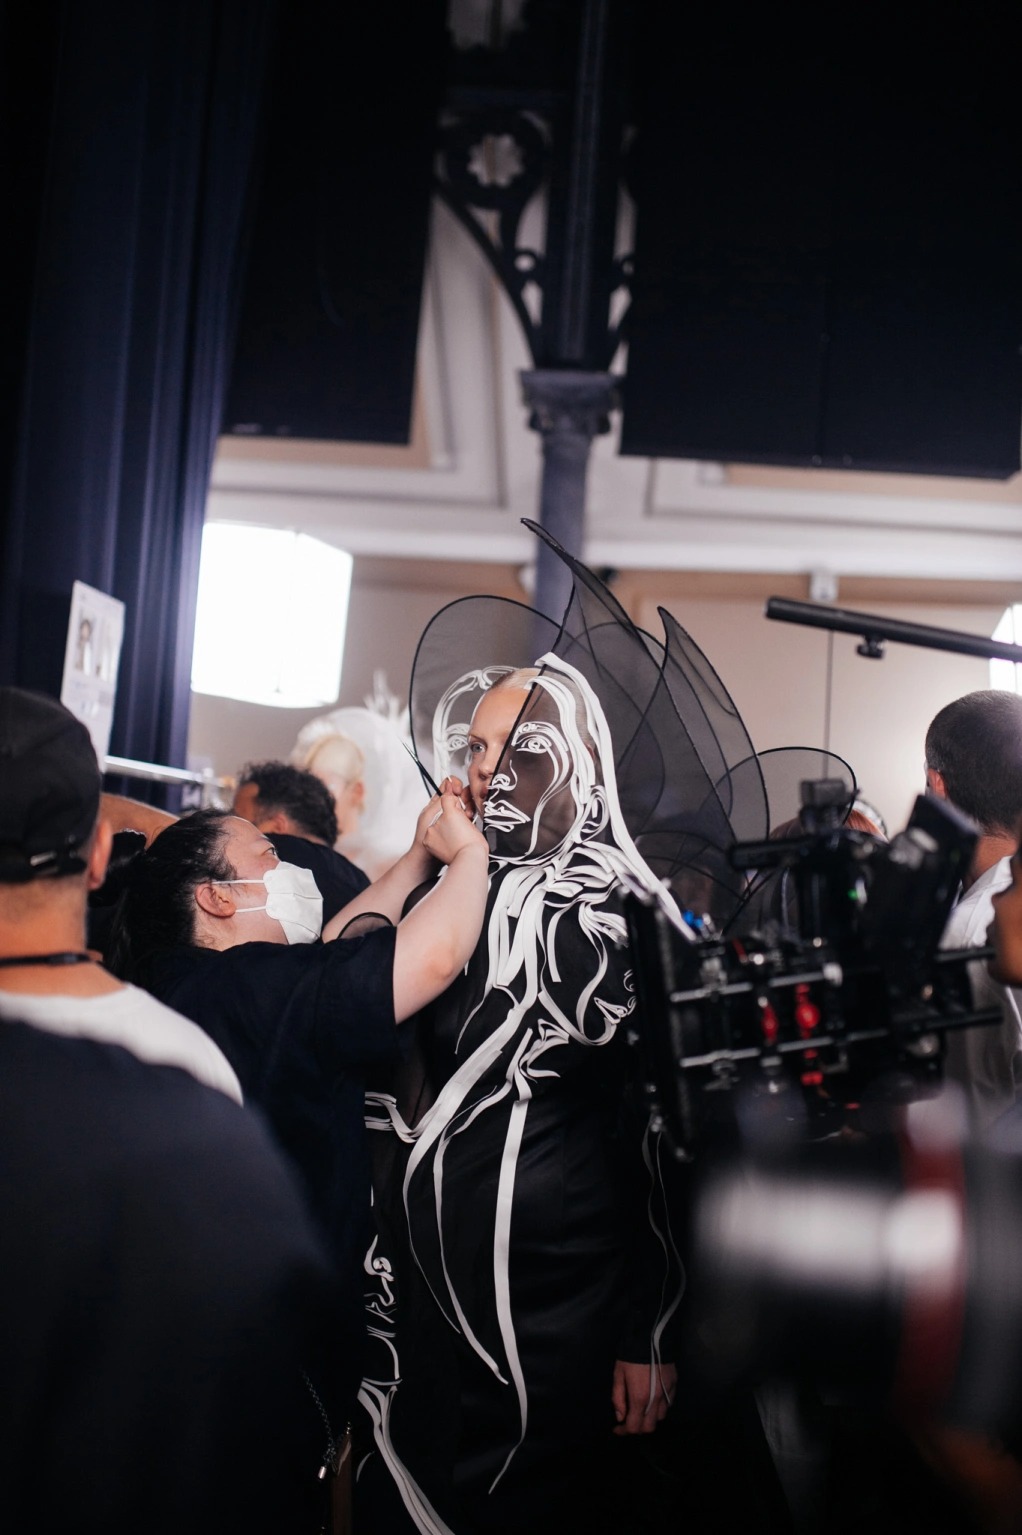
[[138, 125]]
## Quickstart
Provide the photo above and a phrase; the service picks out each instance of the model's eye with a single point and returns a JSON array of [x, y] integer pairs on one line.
[[476, 748], [531, 738]]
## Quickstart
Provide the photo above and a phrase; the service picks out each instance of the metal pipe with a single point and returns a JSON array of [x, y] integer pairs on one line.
[[213, 791], [153, 772], [875, 630]]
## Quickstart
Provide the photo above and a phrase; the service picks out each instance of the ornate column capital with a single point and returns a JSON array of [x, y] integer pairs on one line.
[[569, 402]]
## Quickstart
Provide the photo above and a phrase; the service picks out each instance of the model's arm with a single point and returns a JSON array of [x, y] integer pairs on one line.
[[645, 1378]]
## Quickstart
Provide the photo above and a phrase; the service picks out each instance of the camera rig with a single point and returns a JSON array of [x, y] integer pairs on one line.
[[836, 990]]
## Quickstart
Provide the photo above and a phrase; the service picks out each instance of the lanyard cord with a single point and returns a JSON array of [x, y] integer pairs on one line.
[[65, 957]]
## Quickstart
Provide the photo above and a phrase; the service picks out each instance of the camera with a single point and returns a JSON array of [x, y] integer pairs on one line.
[[829, 990], [883, 1267]]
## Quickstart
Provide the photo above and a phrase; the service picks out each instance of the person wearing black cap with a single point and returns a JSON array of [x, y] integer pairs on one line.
[[162, 1288], [54, 847]]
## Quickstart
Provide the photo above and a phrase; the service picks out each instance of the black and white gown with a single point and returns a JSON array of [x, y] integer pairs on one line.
[[525, 1240], [527, 1222]]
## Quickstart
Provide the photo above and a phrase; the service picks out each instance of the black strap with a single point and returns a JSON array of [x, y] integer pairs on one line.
[[66, 957]]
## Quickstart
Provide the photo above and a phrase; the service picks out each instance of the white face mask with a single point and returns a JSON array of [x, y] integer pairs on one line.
[[292, 899]]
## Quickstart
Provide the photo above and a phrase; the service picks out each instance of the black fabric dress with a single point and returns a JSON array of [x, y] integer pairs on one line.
[[525, 1240], [524, 1205]]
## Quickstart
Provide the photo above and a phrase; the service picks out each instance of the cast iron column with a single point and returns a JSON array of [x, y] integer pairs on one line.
[[568, 408], [570, 140]]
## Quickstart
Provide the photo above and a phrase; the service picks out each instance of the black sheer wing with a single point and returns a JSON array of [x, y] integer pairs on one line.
[[787, 768], [717, 730], [464, 649], [785, 771], [683, 769], [677, 737]]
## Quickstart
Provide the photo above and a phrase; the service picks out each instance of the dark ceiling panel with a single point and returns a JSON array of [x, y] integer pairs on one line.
[[828, 248], [330, 314]]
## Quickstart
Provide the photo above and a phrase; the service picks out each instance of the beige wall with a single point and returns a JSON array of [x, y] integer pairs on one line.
[[775, 672], [777, 675]]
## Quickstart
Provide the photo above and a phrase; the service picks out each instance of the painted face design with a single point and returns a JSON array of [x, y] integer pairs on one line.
[[451, 727], [530, 804], [545, 778]]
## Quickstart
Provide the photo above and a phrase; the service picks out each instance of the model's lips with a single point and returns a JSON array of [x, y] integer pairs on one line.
[[503, 816]]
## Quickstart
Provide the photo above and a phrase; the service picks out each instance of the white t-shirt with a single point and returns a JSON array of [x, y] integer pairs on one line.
[[133, 1019], [984, 1061], [973, 913]]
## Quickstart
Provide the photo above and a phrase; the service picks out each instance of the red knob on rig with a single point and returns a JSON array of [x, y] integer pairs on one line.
[[807, 1014], [768, 1018]]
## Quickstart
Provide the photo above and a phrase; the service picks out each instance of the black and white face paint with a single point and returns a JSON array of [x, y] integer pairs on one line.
[[452, 720], [543, 790]]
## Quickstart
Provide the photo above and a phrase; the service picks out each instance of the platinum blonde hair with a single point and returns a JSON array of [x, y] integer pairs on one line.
[[336, 754], [521, 679]]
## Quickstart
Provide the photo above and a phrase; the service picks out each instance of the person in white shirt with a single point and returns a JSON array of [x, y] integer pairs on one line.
[[974, 760], [54, 847]]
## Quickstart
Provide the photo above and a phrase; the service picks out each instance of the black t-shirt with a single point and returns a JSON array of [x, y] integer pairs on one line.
[[302, 1025], [339, 880], [160, 1292]]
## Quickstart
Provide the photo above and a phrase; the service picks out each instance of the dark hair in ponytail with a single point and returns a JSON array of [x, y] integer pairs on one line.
[[157, 908]]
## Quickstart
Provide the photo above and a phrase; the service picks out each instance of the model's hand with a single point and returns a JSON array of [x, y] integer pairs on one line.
[[448, 829], [641, 1395]]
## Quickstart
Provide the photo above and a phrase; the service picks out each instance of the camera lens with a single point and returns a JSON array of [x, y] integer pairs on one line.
[[885, 1271]]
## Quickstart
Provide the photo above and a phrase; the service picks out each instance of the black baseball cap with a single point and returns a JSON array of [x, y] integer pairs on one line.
[[49, 787]]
